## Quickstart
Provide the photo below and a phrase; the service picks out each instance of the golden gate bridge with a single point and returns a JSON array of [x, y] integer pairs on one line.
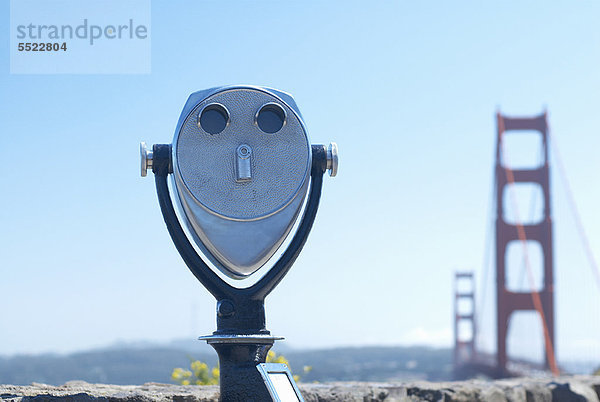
[[534, 289]]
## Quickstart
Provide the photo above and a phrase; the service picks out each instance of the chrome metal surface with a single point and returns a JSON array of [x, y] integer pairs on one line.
[[240, 209], [332, 159], [204, 164], [145, 159], [243, 163], [234, 338]]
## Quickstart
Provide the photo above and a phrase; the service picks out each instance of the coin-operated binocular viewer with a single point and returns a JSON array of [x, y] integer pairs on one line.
[[244, 174]]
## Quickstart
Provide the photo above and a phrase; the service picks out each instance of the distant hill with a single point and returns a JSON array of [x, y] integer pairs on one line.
[[141, 363], [113, 366], [373, 363]]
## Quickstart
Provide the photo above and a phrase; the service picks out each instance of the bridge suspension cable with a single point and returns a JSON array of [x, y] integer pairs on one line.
[[486, 263], [575, 211]]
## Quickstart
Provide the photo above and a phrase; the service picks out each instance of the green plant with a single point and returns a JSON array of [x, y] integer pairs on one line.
[[200, 374]]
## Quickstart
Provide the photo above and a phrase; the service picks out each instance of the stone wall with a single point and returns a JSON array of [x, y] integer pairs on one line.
[[576, 388]]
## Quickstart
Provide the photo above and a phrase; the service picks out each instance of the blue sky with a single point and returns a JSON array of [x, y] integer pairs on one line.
[[408, 90]]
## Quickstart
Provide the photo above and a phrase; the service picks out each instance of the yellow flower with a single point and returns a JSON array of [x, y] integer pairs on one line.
[[201, 374], [198, 366]]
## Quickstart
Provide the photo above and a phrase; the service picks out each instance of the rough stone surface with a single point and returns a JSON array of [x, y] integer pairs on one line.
[[576, 388]]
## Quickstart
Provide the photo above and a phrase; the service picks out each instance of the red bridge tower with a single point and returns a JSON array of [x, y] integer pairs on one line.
[[541, 301]]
